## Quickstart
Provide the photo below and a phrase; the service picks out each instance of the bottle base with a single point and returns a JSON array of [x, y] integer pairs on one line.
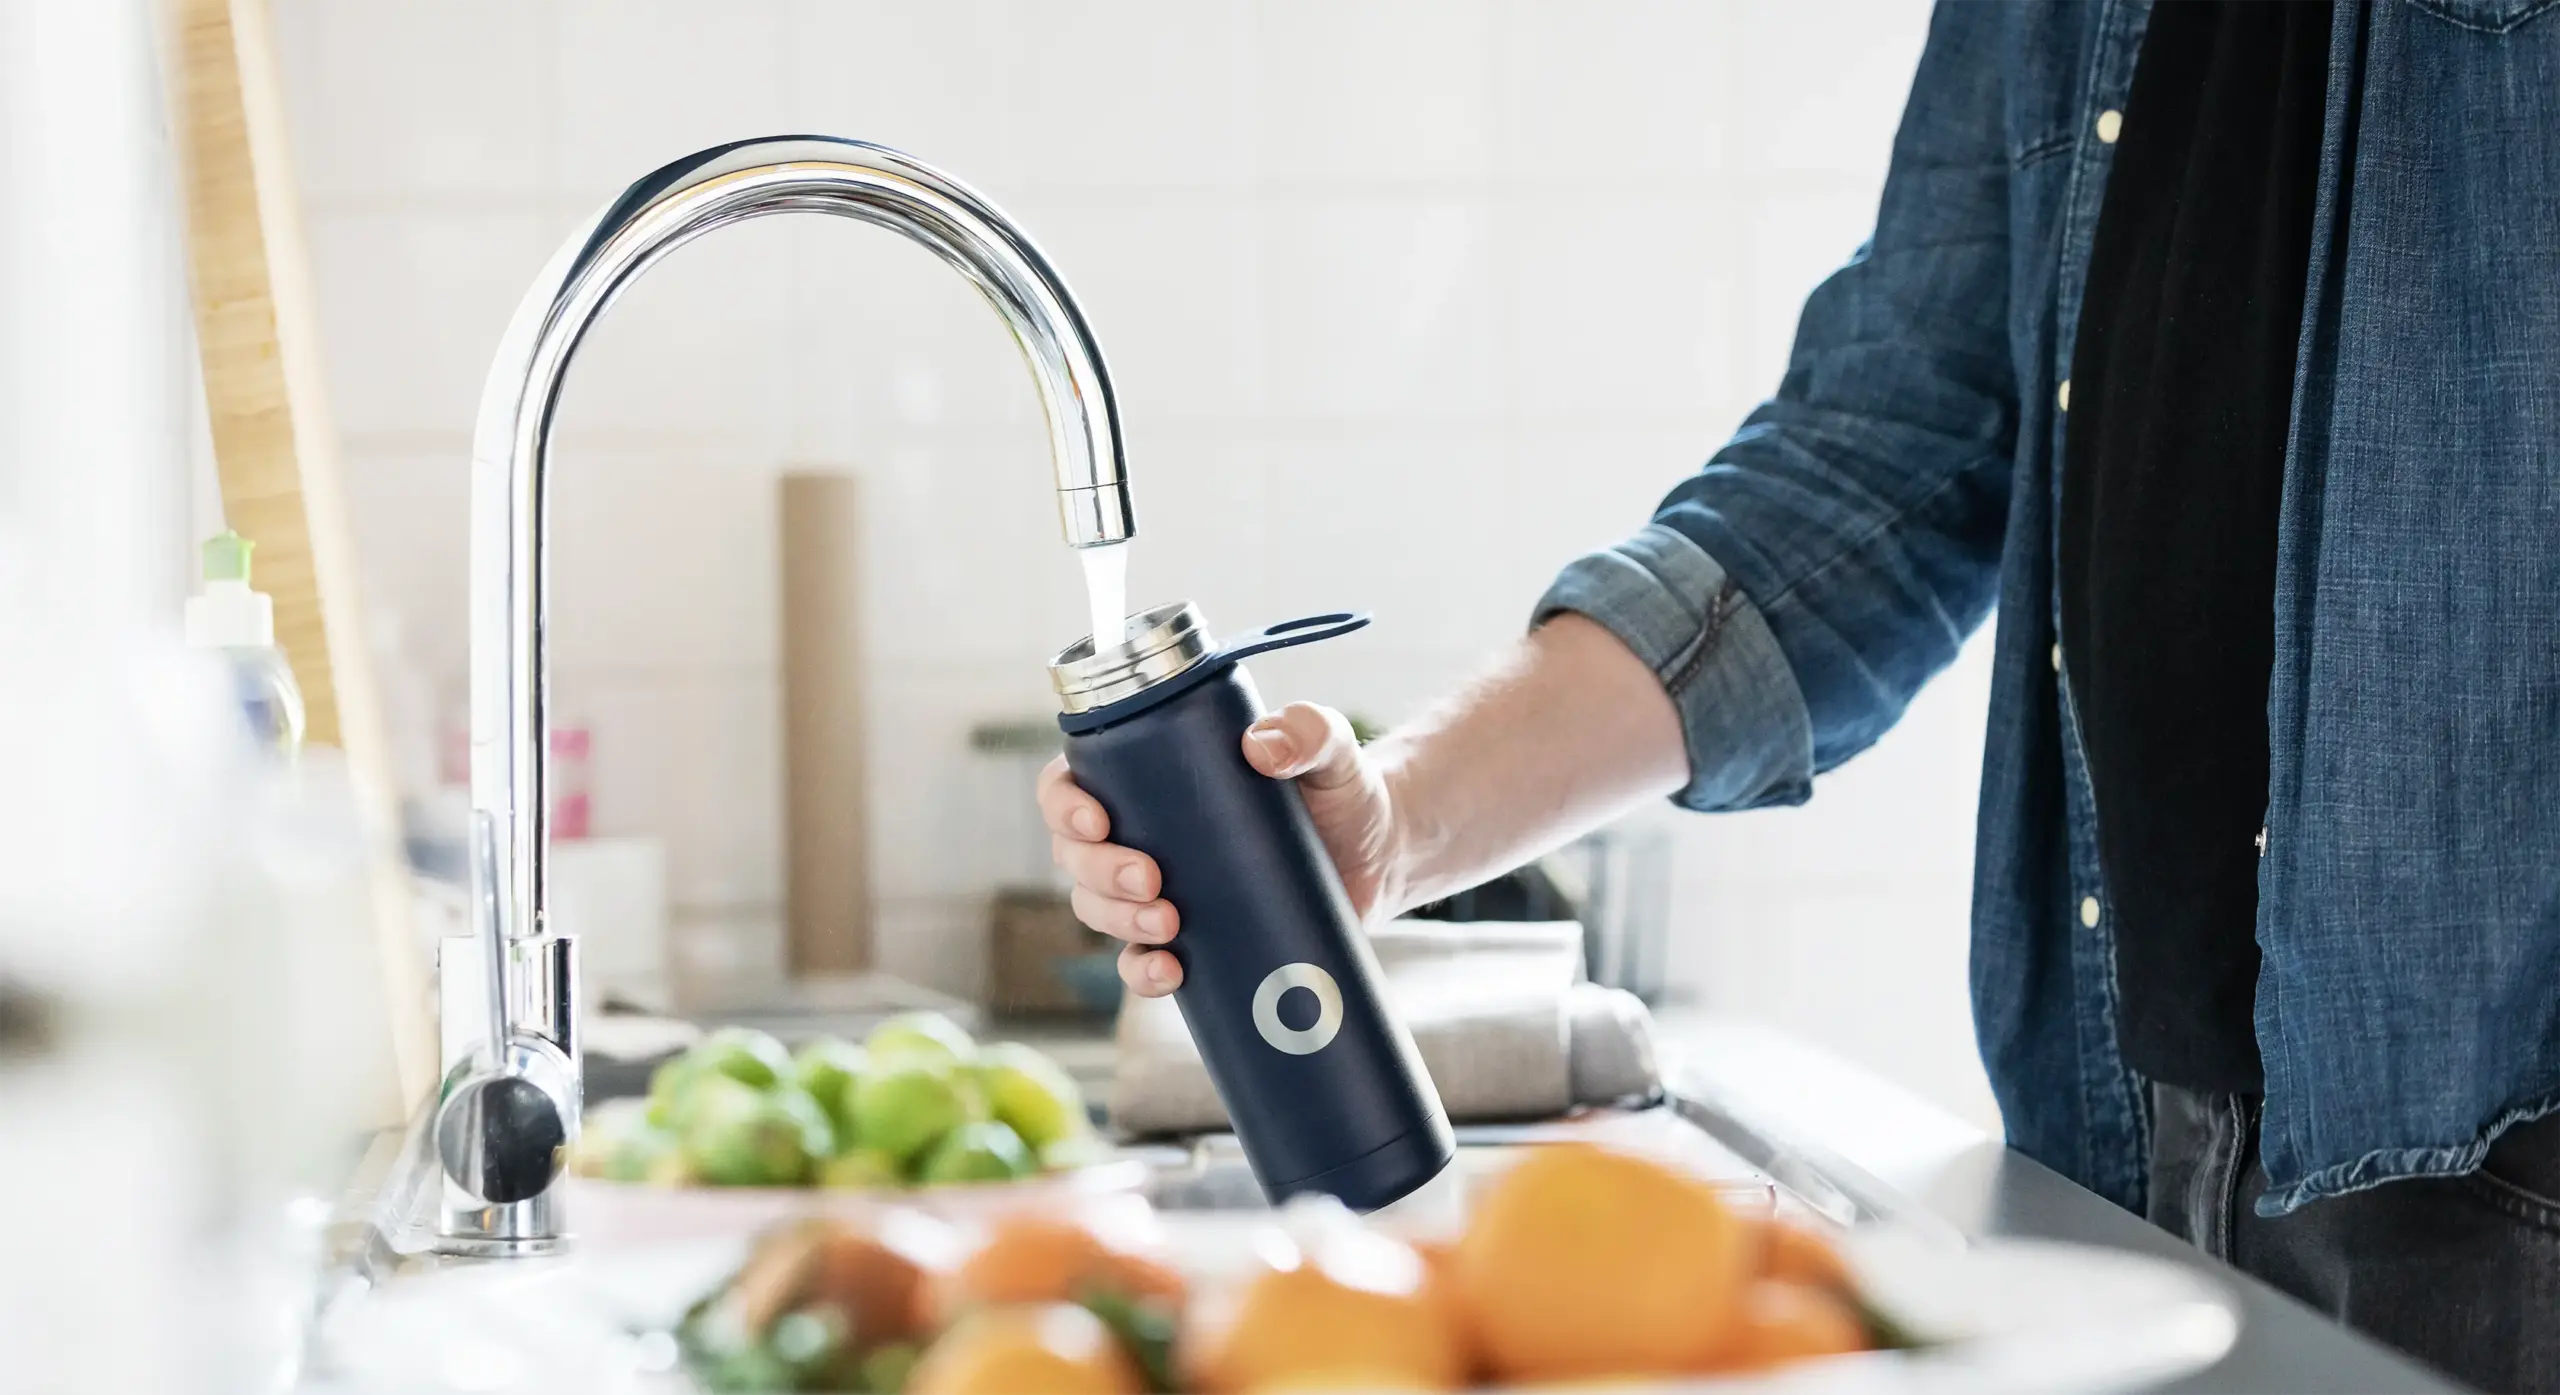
[[1385, 1174]]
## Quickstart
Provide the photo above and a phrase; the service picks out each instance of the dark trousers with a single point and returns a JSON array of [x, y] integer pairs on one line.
[[2462, 1273]]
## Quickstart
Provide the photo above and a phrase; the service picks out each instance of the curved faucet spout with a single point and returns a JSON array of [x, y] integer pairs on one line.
[[510, 673]]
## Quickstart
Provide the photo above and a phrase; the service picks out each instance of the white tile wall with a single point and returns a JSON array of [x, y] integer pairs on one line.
[[1578, 485], [1375, 92], [662, 564], [694, 758], [1791, 236], [943, 77], [1138, 94], [1383, 309], [462, 116], [1204, 527], [412, 507], [1631, 93], [698, 347], [886, 345], [1168, 284], [1407, 302], [411, 303], [1414, 525], [944, 823], [962, 559], [1818, 84], [641, 82], [1628, 316]]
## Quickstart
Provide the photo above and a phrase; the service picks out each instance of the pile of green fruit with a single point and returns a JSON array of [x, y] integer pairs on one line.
[[916, 1104]]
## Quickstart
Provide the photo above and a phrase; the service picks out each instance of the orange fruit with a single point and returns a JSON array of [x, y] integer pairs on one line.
[[1354, 1311], [1031, 1258], [1028, 1349], [1440, 1286], [1348, 1382], [1582, 1261], [1783, 1322], [1792, 1254], [1028, 1258], [1437, 1255], [1139, 1276], [881, 1292]]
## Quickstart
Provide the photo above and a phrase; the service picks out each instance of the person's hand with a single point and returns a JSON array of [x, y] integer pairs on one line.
[[1119, 891]]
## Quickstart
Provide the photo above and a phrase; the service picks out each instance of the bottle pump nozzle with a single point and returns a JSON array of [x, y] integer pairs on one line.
[[226, 614]]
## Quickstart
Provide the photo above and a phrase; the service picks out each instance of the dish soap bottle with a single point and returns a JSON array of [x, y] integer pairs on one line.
[[227, 616]]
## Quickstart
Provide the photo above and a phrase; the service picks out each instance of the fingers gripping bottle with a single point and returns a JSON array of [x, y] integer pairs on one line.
[[1281, 994]]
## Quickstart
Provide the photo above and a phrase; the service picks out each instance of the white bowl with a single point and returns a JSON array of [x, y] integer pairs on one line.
[[618, 1215]]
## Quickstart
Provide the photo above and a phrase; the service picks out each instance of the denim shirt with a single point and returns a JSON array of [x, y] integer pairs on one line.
[[1796, 591]]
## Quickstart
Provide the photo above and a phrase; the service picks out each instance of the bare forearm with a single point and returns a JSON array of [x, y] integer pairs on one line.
[[1569, 730]]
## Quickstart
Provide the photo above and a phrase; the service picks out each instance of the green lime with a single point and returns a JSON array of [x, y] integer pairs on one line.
[[809, 1340], [827, 1068], [988, 1152], [749, 1368], [636, 1153], [817, 1127], [886, 1369], [1030, 1092], [668, 1089], [1083, 1149], [746, 1055], [602, 1132], [920, 1033], [861, 1169], [670, 1169], [737, 1136], [902, 1106]]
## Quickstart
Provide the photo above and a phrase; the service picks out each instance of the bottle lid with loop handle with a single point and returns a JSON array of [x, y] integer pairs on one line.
[[1167, 652]]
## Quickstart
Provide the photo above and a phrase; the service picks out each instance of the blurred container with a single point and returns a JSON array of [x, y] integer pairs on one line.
[[611, 893], [1044, 962], [1013, 753], [572, 777], [1615, 883], [438, 819], [1618, 881], [186, 1043]]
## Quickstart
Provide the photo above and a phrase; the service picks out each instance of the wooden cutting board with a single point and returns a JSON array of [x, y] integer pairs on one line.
[[275, 448]]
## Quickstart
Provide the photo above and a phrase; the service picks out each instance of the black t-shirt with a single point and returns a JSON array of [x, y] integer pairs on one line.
[[2173, 466]]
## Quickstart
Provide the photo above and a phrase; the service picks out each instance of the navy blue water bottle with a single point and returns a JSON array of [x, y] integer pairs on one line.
[[1279, 989]]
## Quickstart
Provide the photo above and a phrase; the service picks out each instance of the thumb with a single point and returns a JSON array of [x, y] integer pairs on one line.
[[1305, 742]]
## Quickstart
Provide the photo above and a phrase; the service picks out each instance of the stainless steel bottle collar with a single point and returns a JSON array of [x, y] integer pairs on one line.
[[1162, 644]]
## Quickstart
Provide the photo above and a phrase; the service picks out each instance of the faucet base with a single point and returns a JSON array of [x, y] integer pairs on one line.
[[529, 1227], [501, 1246]]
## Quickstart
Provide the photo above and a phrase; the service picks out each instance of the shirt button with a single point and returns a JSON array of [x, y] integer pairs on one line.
[[2089, 911], [2057, 658], [2062, 395], [2110, 125]]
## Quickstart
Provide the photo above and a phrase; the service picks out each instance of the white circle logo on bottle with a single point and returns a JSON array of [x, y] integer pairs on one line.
[[1298, 1041]]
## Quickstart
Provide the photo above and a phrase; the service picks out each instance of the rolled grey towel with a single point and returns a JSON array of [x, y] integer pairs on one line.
[[1498, 1010], [1612, 1034]]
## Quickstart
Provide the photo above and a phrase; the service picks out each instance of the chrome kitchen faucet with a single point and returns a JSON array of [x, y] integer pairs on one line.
[[512, 1084]]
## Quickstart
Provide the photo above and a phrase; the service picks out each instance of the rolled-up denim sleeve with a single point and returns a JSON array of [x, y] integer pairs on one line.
[[1797, 590], [1749, 739]]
